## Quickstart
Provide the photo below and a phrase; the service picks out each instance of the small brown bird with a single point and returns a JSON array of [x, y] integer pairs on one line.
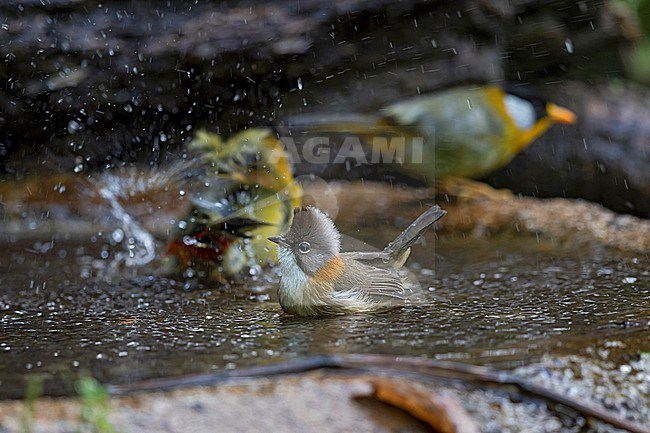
[[318, 279]]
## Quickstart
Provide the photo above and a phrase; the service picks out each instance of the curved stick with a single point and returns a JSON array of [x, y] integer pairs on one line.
[[425, 368]]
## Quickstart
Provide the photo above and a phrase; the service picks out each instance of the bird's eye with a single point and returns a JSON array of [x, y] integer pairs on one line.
[[304, 247]]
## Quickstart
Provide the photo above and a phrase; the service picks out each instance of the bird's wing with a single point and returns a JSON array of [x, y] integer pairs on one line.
[[377, 283], [381, 258], [369, 256], [386, 283]]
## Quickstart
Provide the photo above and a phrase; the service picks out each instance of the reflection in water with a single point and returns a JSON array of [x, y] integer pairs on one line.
[[505, 301]]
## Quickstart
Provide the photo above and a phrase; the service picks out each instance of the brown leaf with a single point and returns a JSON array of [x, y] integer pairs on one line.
[[442, 412]]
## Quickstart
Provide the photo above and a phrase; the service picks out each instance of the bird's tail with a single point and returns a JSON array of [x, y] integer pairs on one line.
[[399, 249], [350, 123]]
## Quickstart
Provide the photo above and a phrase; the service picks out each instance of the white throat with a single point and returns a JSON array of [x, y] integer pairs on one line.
[[293, 280], [521, 111]]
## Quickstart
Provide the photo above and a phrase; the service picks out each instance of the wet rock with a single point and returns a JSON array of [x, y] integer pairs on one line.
[[563, 221]]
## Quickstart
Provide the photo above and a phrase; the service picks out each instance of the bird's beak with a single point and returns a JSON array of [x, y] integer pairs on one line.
[[277, 240], [560, 114]]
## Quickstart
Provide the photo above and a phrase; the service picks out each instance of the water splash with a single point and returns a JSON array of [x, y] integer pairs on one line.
[[140, 244]]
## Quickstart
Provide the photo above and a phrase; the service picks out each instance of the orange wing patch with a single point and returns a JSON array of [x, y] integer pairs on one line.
[[330, 271]]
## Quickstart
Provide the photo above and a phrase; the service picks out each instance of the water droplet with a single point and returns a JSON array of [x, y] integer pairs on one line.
[[117, 235], [73, 126], [568, 43]]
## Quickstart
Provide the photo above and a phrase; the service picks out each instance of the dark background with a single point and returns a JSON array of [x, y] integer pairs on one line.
[[92, 85]]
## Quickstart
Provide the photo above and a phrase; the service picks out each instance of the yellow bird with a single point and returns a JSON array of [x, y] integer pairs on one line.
[[461, 132], [249, 195]]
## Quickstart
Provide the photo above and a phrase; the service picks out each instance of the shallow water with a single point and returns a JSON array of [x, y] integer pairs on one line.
[[501, 301]]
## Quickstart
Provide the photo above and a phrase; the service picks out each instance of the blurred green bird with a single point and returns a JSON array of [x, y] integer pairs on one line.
[[249, 194], [462, 132]]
